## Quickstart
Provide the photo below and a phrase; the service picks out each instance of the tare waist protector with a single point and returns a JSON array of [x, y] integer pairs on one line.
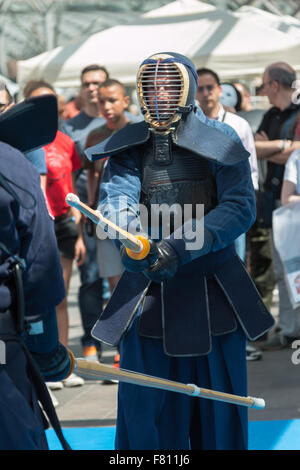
[[200, 301]]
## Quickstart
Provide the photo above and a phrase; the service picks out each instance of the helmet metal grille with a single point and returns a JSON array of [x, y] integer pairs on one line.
[[161, 92]]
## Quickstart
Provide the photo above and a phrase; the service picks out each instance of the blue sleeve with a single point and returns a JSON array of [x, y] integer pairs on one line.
[[28, 231], [37, 159], [120, 189]]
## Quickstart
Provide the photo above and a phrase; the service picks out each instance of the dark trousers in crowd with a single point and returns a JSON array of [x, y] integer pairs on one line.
[[90, 291], [260, 261]]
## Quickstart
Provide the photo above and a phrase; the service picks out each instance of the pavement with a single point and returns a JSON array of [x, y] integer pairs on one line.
[[275, 377]]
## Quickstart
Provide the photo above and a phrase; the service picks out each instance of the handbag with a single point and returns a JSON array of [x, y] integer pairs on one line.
[[286, 227]]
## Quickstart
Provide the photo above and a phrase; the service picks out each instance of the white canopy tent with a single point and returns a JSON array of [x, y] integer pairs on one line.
[[284, 23], [230, 44], [180, 7]]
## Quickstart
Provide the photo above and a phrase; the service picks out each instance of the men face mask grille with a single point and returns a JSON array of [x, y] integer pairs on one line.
[[161, 92]]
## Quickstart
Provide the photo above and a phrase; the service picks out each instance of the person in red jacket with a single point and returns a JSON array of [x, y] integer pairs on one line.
[[62, 160]]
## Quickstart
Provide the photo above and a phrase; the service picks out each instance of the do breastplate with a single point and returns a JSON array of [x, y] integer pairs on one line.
[[178, 178]]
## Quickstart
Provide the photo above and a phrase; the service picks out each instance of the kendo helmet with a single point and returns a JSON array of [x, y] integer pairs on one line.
[[166, 88]]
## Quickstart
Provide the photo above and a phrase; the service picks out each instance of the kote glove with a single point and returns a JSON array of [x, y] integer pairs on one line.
[[138, 266], [166, 264]]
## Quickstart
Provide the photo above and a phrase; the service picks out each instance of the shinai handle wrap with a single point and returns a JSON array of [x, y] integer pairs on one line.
[[143, 252]]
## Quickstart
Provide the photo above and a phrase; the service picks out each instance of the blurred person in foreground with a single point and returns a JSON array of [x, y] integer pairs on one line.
[[183, 312], [31, 284], [62, 161]]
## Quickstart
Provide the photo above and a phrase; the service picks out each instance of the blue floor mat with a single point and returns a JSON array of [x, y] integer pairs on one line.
[[263, 435], [274, 435], [101, 438]]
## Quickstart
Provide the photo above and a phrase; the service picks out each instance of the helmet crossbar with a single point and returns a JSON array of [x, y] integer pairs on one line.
[[161, 89]]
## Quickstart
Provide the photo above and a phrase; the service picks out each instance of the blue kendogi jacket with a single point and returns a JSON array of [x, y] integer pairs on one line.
[[31, 281], [27, 232], [211, 292]]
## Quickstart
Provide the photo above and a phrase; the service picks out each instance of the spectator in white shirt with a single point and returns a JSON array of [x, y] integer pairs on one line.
[[209, 94]]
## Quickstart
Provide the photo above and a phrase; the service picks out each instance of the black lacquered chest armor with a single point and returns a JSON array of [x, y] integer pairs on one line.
[[180, 178]]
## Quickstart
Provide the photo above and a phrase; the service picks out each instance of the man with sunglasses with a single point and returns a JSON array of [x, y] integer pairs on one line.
[[209, 93]]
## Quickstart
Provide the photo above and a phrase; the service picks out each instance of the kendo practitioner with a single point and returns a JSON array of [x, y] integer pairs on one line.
[[31, 283], [181, 313]]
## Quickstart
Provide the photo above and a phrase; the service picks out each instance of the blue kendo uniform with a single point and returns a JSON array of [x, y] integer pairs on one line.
[[189, 325], [31, 285]]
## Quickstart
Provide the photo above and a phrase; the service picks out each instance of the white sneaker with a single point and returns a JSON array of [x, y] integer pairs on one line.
[[54, 385], [73, 381], [53, 398]]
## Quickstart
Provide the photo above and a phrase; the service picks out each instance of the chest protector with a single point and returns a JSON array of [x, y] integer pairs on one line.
[[174, 177]]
